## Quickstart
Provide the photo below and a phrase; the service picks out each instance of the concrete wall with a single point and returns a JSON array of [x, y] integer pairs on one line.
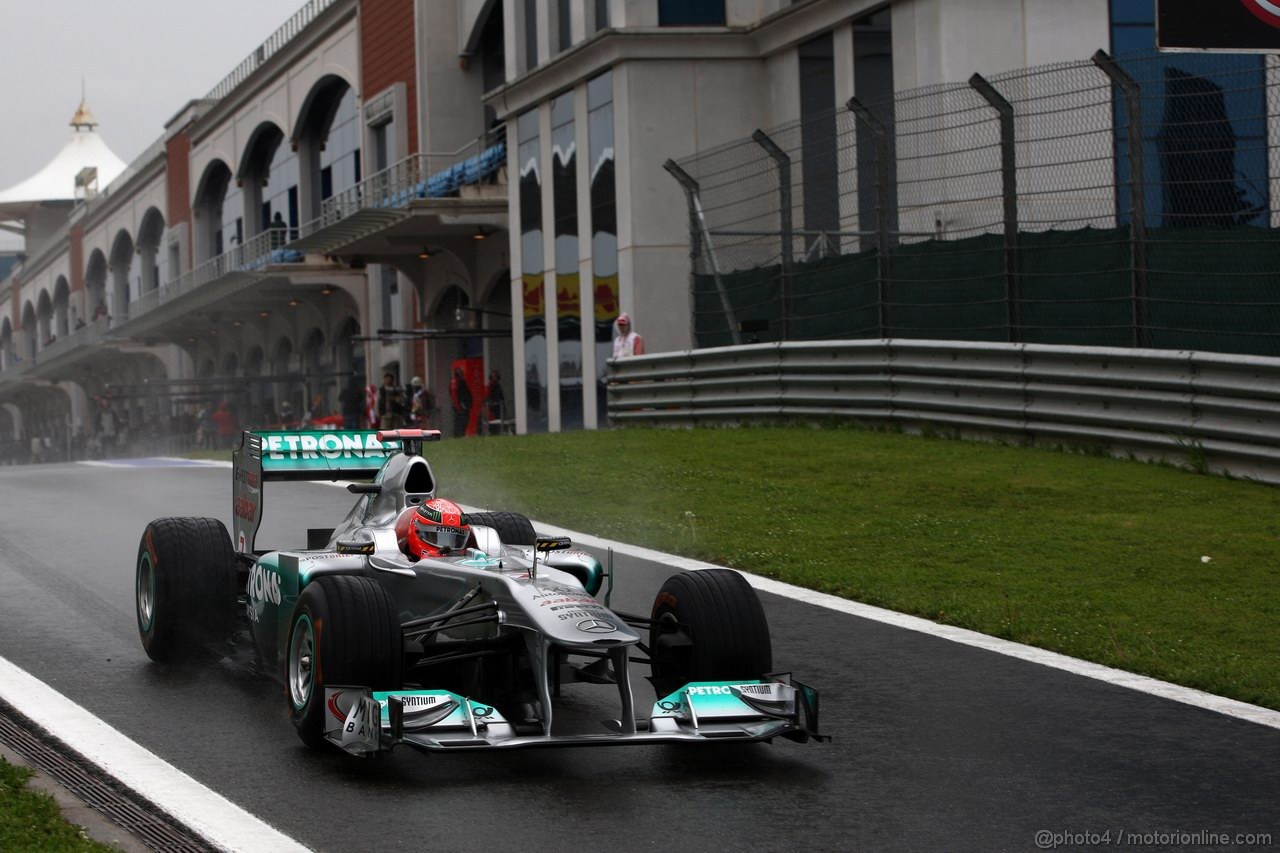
[[662, 110], [945, 41], [452, 114]]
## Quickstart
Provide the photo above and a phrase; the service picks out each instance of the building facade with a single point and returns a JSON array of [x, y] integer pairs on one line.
[[452, 188]]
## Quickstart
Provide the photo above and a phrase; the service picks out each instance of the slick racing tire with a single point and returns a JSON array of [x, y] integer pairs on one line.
[[513, 528], [185, 587], [707, 626], [345, 630]]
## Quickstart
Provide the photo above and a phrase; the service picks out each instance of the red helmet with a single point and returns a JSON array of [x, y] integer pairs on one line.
[[433, 529]]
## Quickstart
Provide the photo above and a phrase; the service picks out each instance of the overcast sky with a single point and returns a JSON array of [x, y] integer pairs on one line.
[[141, 61]]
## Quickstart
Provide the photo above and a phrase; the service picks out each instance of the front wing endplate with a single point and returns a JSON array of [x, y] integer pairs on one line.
[[365, 722]]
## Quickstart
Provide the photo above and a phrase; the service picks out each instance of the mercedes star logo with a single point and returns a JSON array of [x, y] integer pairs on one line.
[[596, 626]]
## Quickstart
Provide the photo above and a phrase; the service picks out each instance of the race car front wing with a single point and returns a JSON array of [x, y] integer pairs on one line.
[[366, 722]]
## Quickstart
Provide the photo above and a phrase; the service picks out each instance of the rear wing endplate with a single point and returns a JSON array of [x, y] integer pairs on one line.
[[298, 455]]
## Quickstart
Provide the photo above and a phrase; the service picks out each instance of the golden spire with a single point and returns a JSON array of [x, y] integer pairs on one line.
[[84, 118]]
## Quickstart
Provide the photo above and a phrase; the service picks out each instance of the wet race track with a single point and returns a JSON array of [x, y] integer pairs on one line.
[[937, 745]]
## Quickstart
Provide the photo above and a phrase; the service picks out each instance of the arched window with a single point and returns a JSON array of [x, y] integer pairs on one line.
[[218, 213], [328, 140], [152, 266]]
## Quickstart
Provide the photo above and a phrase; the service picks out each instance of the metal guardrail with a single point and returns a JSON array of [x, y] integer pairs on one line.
[[287, 32], [254, 254], [1209, 411]]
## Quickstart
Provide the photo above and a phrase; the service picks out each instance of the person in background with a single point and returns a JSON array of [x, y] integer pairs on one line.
[[421, 406], [225, 423], [391, 403], [627, 342], [352, 401], [279, 231], [460, 396], [371, 406], [494, 404], [205, 427]]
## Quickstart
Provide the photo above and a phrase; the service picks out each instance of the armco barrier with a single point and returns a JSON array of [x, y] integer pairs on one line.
[[1205, 410]]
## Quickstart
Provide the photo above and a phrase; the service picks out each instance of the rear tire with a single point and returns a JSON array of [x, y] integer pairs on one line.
[[708, 626], [345, 630], [185, 587], [513, 528]]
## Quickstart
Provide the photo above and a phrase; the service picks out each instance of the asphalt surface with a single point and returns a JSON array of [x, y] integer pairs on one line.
[[938, 746]]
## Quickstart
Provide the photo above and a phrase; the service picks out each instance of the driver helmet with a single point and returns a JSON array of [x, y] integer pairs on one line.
[[436, 528]]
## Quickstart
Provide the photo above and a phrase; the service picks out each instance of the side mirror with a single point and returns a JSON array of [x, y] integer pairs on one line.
[[364, 488], [355, 546], [547, 544]]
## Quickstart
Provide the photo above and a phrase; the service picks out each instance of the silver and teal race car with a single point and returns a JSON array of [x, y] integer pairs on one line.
[[466, 651]]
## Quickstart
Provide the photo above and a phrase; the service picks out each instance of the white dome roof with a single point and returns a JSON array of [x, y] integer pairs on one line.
[[57, 181]]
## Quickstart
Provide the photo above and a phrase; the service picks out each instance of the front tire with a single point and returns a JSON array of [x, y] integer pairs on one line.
[[345, 630], [708, 626], [185, 587]]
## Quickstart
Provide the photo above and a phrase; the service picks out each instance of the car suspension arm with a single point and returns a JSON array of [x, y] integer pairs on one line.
[[428, 620]]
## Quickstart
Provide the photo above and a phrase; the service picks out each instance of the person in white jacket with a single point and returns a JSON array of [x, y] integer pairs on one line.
[[627, 342]]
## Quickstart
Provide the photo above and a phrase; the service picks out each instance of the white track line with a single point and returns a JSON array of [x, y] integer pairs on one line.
[[177, 462], [1118, 677], [218, 820]]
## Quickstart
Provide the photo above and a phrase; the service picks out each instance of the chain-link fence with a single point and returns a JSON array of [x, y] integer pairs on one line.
[[1121, 202]]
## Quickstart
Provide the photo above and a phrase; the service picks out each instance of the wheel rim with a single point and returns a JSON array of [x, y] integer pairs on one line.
[[146, 592], [302, 652]]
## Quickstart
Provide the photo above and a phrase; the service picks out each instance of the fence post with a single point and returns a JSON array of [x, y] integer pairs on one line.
[[1132, 93], [1009, 192], [883, 207], [783, 162], [698, 229]]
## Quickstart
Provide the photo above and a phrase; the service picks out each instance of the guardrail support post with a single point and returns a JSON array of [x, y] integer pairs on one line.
[[884, 209], [783, 162], [698, 235], [1132, 94], [1009, 193]]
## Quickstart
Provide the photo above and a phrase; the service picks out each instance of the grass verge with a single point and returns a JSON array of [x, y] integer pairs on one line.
[[30, 820], [1097, 558]]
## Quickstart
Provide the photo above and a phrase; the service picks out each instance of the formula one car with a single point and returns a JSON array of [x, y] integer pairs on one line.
[[464, 650]]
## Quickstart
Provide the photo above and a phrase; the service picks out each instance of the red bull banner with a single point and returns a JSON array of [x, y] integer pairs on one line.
[[606, 298], [568, 297], [535, 296]]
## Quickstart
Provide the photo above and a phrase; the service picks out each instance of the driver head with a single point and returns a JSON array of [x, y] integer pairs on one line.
[[436, 528]]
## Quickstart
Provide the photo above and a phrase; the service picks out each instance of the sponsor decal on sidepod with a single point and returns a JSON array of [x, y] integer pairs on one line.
[[264, 584]]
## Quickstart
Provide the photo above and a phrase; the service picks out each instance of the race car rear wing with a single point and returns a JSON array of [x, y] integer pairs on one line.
[[304, 455]]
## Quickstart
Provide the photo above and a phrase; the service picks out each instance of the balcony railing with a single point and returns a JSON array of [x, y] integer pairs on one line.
[[291, 28], [85, 336], [254, 254], [419, 176]]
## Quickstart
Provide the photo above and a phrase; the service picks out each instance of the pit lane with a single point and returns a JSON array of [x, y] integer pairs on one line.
[[938, 746]]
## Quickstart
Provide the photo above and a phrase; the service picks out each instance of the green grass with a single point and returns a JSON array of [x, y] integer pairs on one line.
[[1094, 557], [30, 820]]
